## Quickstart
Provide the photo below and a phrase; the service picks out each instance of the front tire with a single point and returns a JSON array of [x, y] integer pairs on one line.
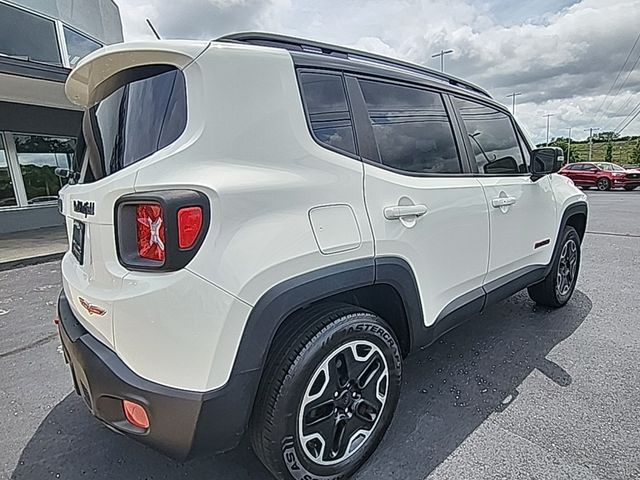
[[629, 188], [558, 286], [328, 393], [603, 184]]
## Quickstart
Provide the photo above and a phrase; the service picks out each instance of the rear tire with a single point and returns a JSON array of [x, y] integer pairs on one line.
[[628, 188], [328, 393], [603, 184], [557, 287]]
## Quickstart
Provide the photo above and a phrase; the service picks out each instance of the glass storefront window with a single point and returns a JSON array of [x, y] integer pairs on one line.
[[7, 195], [38, 157], [78, 45], [27, 36]]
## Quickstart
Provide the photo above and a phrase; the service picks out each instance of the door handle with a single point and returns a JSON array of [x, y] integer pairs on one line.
[[501, 202], [400, 211]]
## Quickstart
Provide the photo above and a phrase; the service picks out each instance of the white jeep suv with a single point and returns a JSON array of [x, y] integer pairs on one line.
[[263, 227]]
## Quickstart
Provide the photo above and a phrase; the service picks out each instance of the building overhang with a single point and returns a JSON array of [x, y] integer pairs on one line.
[[32, 83]]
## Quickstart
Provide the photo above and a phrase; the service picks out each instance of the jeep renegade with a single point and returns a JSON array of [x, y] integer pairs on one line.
[[262, 228]]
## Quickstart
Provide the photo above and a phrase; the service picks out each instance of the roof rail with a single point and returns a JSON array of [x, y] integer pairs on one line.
[[310, 46]]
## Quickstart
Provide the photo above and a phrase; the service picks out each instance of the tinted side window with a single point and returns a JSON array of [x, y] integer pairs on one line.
[[326, 103], [78, 45], [493, 139], [28, 36], [411, 128]]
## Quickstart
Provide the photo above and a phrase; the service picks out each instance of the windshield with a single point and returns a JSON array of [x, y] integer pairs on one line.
[[144, 111]]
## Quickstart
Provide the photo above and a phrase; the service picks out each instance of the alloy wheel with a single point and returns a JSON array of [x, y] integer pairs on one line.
[[603, 184], [343, 402], [567, 268]]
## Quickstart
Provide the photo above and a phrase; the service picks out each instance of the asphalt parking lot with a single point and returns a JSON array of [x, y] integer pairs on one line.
[[518, 392]]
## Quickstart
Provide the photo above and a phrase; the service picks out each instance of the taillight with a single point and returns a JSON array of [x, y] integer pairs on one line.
[[160, 230], [150, 231], [189, 226]]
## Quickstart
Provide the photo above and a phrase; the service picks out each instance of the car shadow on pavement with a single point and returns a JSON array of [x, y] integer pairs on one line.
[[449, 389]]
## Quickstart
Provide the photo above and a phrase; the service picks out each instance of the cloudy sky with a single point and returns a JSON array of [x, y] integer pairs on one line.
[[564, 56]]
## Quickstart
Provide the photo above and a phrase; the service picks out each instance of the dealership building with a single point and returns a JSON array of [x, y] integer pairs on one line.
[[40, 41]]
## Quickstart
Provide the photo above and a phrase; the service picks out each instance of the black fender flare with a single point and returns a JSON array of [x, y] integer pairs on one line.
[[280, 301], [579, 208]]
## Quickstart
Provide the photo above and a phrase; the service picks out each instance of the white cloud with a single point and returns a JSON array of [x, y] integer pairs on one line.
[[562, 55]]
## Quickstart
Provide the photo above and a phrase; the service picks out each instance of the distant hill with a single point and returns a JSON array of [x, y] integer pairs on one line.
[[622, 151]]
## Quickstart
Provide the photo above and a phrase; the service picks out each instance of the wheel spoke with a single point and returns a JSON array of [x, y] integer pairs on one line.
[[372, 370], [367, 412], [318, 411], [339, 440], [356, 428]]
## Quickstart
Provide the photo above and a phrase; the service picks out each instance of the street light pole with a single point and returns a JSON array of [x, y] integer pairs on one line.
[[590, 130], [513, 102], [569, 147], [548, 115], [441, 55]]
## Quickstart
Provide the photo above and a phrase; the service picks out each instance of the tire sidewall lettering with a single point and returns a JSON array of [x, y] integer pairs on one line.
[[294, 466], [381, 333]]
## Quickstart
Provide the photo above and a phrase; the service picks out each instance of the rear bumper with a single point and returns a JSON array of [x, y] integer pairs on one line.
[[181, 421]]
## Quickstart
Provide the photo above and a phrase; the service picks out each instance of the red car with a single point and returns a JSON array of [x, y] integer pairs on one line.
[[602, 175]]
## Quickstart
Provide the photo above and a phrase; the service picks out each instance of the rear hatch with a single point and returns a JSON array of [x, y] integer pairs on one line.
[[135, 105]]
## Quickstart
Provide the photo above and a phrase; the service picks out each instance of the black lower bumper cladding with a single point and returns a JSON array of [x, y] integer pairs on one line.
[[181, 422]]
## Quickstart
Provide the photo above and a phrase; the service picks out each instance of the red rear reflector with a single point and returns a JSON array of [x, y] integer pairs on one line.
[[56, 320], [189, 226], [136, 414], [150, 231]]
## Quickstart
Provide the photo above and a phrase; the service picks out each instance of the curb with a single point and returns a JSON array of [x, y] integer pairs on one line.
[[25, 262]]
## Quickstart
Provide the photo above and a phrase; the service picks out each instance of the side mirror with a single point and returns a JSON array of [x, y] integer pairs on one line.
[[546, 160]]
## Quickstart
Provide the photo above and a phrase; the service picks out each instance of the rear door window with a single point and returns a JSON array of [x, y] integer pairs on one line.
[[411, 128]]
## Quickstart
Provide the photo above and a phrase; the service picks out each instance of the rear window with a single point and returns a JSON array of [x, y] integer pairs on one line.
[[326, 103], [142, 111]]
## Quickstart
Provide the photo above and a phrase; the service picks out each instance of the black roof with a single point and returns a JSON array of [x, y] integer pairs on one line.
[[309, 46]]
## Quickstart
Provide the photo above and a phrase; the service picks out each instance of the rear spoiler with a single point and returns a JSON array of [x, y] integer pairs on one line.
[[102, 64]]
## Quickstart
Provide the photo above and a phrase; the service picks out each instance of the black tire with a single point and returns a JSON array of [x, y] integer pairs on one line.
[[628, 188], [321, 340], [603, 184], [554, 291]]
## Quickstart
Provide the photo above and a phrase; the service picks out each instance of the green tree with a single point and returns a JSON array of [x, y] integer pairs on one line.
[[602, 136], [635, 153], [608, 156], [563, 143]]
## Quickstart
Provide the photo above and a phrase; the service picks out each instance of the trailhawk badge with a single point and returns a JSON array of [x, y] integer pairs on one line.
[[92, 309]]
